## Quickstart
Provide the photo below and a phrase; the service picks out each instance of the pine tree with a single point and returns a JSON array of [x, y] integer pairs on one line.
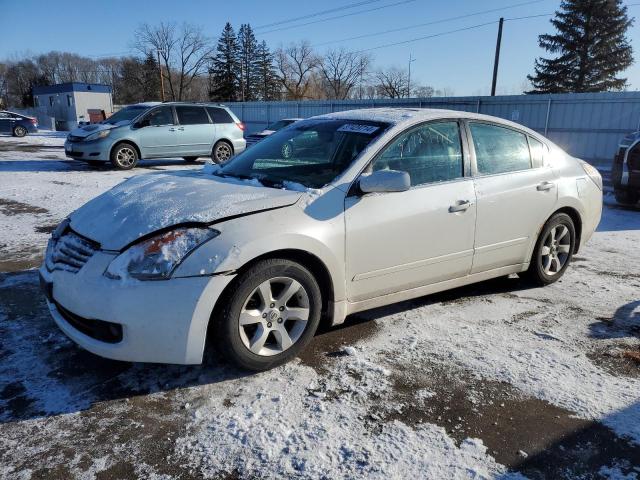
[[591, 48], [223, 81], [247, 75], [150, 78], [268, 87]]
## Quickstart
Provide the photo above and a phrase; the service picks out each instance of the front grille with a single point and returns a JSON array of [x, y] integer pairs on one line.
[[253, 139], [108, 332], [69, 252], [74, 139]]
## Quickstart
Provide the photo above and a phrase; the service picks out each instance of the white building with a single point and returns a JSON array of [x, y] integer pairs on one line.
[[71, 103]]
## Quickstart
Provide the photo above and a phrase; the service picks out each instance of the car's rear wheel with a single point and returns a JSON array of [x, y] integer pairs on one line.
[[222, 151], [19, 131], [272, 314], [553, 250], [124, 156], [626, 197], [190, 159]]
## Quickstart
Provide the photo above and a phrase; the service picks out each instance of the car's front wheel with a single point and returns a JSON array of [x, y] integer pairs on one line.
[[124, 156], [19, 131], [272, 314], [553, 250], [222, 151]]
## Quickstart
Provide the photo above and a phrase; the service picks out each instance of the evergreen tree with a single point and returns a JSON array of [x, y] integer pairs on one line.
[[268, 87], [248, 77], [591, 48], [150, 77], [223, 81]]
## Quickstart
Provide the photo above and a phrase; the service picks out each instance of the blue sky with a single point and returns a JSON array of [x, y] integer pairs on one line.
[[461, 61]]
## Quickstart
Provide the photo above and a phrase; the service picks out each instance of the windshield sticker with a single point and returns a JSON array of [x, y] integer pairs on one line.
[[355, 128]]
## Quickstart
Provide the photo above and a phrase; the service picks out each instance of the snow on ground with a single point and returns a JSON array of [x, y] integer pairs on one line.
[[496, 380]]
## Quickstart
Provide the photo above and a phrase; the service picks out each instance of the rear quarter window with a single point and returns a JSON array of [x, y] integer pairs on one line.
[[219, 115]]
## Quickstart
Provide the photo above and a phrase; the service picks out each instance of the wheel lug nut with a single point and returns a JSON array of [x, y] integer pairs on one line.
[[279, 320], [264, 315], [272, 305], [269, 324], [281, 309]]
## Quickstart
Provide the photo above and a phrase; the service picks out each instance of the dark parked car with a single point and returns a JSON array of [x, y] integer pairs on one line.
[[626, 170], [271, 129], [16, 124]]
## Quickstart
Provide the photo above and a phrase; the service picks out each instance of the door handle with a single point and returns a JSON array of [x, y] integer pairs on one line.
[[460, 206], [181, 129], [172, 129], [544, 186]]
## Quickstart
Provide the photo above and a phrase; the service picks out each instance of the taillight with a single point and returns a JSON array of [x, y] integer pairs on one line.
[[34, 121], [593, 173], [240, 125]]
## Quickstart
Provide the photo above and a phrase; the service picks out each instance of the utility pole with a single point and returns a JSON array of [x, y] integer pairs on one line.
[[161, 77], [497, 59], [411, 60]]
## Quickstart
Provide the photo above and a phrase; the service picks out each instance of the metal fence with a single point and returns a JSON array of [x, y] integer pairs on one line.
[[587, 125]]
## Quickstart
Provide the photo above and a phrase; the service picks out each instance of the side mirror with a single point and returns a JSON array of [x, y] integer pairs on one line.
[[385, 181]]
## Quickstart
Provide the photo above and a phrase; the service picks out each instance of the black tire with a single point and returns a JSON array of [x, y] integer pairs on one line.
[[537, 272], [124, 156], [222, 151], [190, 159], [19, 131], [626, 197], [227, 329]]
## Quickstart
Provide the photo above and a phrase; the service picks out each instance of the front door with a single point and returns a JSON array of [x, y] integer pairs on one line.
[[195, 132], [158, 136], [5, 122], [402, 240], [516, 194]]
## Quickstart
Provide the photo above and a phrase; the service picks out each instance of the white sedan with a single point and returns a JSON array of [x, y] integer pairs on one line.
[[366, 208]]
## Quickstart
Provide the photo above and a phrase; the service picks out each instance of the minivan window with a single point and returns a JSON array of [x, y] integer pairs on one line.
[[499, 149], [127, 113], [160, 116], [219, 115], [428, 153], [537, 152], [191, 115]]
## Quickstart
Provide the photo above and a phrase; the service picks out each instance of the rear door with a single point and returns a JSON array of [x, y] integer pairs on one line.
[[516, 194], [402, 240], [195, 131], [157, 135]]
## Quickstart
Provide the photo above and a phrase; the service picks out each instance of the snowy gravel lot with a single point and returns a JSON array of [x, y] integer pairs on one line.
[[495, 380]]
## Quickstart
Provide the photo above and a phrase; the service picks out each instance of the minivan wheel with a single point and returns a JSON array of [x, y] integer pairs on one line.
[[19, 131], [124, 156], [553, 250], [271, 315], [222, 151], [190, 159]]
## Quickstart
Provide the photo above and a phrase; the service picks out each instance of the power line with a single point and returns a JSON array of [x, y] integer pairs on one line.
[[315, 14], [338, 16], [471, 27], [434, 22]]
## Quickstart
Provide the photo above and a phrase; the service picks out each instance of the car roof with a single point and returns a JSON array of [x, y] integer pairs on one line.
[[407, 116]]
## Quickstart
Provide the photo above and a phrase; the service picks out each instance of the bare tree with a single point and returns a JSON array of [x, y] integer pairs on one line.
[[423, 91], [341, 71], [391, 83], [295, 65], [184, 53]]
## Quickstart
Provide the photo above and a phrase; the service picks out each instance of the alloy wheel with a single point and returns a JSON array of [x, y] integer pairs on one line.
[[223, 152], [274, 316], [126, 157], [556, 249]]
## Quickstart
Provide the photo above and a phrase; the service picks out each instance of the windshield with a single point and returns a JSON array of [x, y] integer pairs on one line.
[[278, 125], [311, 152], [127, 113]]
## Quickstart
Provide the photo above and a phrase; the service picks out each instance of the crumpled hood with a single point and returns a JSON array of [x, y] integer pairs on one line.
[[87, 130], [147, 203]]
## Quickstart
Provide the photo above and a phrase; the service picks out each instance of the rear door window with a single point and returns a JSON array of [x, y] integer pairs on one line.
[[219, 115], [499, 149], [188, 115]]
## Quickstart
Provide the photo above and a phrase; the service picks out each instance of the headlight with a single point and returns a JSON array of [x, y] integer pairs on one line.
[[97, 135], [157, 257]]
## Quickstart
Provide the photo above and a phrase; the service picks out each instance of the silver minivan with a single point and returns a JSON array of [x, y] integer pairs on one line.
[[159, 130]]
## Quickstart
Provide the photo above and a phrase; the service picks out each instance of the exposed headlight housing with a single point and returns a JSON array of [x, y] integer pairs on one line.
[[157, 257], [97, 135]]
